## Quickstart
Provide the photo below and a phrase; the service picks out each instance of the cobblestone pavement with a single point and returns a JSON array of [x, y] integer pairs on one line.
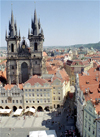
[[20, 127]]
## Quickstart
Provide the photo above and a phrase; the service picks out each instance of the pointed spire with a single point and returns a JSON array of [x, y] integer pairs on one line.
[[42, 31], [39, 23], [6, 34], [19, 33], [12, 26], [35, 28], [15, 27], [29, 31]]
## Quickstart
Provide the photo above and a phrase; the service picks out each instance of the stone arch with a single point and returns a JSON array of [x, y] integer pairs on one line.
[[14, 108], [27, 107], [39, 108], [47, 108], [20, 107], [6, 107], [1, 107], [58, 106], [33, 107], [24, 72]]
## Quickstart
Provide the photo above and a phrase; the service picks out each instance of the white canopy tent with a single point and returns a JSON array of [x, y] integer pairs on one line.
[[5, 111], [43, 133], [32, 110], [18, 112]]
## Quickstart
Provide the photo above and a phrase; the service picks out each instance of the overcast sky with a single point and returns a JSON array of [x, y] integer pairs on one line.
[[63, 22]]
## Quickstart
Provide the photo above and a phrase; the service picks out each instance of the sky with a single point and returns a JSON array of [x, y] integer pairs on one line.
[[64, 23]]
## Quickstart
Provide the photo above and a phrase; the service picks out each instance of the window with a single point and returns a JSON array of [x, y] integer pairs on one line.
[[16, 101], [30, 101], [33, 101], [93, 132], [89, 118], [13, 101], [58, 98], [41, 100], [53, 92], [26, 101], [12, 67], [35, 62], [26, 95], [37, 101], [30, 95], [40, 89], [89, 128], [12, 47], [53, 98], [41, 95], [25, 89], [32, 89], [35, 46], [20, 101], [5, 101], [29, 89], [48, 94], [85, 123], [53, 87], [45, 100], [58, 92], [44, 94], [37, 94], [33, 94], [1, 101], [85, 114], [48, 100], [37, 89], [44, 89]]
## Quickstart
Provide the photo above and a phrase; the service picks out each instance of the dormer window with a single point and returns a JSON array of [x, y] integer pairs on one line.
[[87, 82]]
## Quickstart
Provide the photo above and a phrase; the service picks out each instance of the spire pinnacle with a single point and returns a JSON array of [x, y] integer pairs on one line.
[[19, 33], [42, 31]]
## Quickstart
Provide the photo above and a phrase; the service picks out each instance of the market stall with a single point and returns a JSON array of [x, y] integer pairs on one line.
[[5, 112]]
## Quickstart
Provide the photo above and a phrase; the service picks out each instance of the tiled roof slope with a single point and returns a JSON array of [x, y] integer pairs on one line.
[[90, 85]]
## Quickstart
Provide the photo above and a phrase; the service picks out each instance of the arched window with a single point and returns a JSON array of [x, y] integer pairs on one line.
[[35, 46], [12, 47]]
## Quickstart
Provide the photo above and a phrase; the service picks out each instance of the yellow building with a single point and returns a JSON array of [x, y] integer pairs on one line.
[[77, 66]]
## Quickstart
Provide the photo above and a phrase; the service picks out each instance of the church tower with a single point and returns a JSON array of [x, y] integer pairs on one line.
[[13, 41], [36, 38]]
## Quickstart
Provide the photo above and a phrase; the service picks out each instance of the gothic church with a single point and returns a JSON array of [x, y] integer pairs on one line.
[[24, 61]]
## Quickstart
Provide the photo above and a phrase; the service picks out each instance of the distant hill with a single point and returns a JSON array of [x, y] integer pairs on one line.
[[3, 48], [93, 45]]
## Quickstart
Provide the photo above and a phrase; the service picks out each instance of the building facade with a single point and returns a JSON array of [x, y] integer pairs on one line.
[[22, 59], [11, 97]]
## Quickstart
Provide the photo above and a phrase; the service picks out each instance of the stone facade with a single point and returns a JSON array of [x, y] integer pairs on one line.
[[24, 61]]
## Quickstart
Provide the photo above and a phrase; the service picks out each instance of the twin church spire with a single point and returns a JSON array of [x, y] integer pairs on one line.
[[12, 28], [35, 27]]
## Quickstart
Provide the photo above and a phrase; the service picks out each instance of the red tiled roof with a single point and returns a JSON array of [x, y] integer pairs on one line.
[[35, 79]]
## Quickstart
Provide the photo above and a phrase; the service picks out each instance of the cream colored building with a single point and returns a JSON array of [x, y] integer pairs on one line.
[[46, 92]]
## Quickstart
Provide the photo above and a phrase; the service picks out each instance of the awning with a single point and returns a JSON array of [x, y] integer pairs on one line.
[[5, 111], [18, 112], [30, 110]]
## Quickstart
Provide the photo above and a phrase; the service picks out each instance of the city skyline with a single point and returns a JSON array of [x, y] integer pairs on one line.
[[64, 23]]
